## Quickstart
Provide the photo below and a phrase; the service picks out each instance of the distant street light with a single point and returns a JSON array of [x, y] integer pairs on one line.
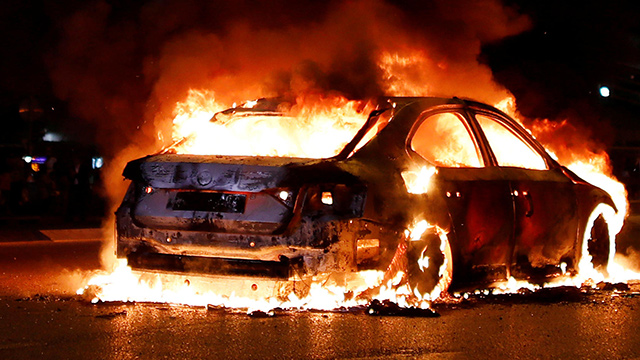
[[604, 91]]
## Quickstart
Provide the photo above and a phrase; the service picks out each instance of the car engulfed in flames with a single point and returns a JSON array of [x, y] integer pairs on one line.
[[448, 193]]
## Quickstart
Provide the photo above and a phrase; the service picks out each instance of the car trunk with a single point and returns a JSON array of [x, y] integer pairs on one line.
[[241, 195]]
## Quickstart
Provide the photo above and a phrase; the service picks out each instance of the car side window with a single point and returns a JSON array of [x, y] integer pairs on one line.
[[508, 148], [444, 140]]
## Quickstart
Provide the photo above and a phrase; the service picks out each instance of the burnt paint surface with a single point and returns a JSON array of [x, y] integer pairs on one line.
[[481, 214], [546, 218]]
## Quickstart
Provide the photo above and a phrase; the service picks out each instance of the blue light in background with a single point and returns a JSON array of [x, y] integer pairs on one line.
[[97, 162]]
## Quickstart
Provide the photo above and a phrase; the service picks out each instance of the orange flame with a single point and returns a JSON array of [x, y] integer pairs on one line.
[[418, 182], [312, 127]]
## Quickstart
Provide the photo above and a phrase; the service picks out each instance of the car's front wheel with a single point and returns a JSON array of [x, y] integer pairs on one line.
[[598, 244]]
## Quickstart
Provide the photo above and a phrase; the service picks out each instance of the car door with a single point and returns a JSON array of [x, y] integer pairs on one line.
[[477, 195], [545, 202]]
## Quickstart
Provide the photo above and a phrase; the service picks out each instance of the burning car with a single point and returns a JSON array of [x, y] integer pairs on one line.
[[450, 193]]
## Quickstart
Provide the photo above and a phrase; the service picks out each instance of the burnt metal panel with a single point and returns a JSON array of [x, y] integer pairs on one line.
[[213, 211], [546, 217], [480, 206]]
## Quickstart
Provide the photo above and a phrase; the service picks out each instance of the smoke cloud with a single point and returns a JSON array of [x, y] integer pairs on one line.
[[123, 67]]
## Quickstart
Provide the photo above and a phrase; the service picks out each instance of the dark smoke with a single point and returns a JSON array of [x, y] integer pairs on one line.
[[122, 67]]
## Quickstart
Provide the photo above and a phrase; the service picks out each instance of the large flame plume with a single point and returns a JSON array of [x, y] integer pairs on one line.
[[310, 128]]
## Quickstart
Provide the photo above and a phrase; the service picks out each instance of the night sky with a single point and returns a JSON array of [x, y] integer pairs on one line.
[[99, 69]]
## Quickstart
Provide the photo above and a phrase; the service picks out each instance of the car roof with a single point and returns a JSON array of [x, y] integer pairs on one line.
[[427, 101], [407, 109]]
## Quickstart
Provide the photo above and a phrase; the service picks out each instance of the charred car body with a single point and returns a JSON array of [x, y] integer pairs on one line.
[[508, 208]]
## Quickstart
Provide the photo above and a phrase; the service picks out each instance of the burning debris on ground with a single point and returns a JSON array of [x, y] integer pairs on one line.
[[387, 308], [604, 293], [601, 294]]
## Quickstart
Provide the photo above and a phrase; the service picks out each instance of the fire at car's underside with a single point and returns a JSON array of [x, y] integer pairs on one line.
[[287, 220]]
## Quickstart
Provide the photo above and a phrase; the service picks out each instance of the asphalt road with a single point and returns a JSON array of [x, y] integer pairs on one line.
[[565, 326], [41, 317], [53, 267]]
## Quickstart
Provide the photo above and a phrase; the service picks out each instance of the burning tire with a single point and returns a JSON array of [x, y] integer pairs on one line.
[[429, 265], [598, 246]]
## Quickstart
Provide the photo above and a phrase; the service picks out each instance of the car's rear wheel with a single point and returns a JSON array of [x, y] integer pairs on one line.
[[429, 265]]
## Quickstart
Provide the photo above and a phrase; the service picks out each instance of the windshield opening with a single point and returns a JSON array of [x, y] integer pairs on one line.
[[281, 131]]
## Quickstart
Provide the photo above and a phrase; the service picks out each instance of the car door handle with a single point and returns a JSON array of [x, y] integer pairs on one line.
[[529, 203]]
